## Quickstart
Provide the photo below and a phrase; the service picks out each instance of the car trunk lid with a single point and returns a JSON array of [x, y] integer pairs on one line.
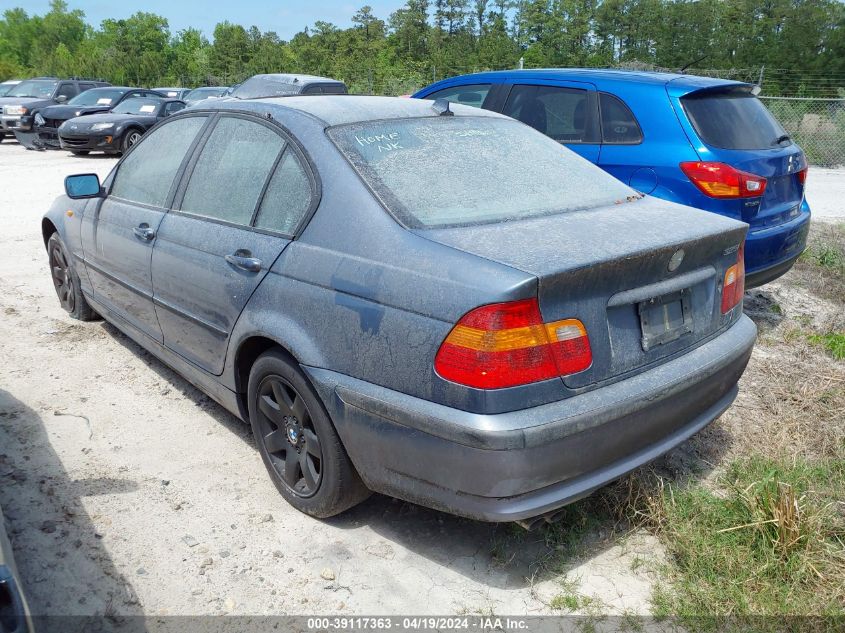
[[644, 277]]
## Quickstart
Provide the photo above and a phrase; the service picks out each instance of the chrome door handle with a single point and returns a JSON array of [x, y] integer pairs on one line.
[[244, 260], [144, 232]]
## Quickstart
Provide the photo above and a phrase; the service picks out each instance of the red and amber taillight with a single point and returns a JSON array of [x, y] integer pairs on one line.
[[720, 180], [507, 344], [734, 283]]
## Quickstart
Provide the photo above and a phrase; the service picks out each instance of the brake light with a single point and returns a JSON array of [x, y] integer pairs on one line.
[[802, 175], [719, 180], [734, 284], [507, 344]]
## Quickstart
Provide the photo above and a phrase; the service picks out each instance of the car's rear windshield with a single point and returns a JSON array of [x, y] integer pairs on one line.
[[734, 120], [138, 105], [450, 171], [96, 96]]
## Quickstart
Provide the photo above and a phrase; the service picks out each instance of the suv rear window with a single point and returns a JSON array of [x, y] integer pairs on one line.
[[733, 120], [485, 170]]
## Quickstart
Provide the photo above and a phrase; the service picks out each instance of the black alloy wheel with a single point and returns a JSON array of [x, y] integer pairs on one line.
[[62, 277], [289, 437]]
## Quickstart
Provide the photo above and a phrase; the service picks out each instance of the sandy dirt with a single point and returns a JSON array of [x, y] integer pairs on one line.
[[127, 491]]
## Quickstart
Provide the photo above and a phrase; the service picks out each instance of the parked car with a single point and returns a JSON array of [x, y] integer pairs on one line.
[[22, 102], [5, 87], [207, 92], [14, 613], [46, 121], [284, 85], [382, 289], [708, 143], [173, 93], [116, 131]]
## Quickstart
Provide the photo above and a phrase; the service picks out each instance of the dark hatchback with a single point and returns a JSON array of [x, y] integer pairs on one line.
[[382, 290], [116, 131]]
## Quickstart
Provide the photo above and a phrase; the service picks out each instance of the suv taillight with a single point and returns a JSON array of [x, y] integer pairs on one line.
[[802, 175], [734, 284], [507, 344], [719, 180]]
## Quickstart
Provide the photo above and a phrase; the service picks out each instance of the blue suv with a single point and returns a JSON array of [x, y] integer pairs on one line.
[[704, 142]]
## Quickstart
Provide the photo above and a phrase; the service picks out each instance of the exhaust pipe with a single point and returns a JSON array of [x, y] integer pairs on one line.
[[549, 518]]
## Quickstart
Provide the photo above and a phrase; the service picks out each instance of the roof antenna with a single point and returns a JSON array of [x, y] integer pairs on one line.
[[702, 58], [441, 107]]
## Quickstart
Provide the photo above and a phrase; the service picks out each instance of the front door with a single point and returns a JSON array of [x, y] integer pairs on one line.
[[565, 111], [234, 214], [119, 233]]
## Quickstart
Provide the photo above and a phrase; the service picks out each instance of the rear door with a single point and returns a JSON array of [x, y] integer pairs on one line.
[[566, 111], [243, 196], [736, 128], [119, 233]]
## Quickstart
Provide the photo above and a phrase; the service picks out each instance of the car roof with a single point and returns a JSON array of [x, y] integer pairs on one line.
[[680, 82], [343, 109], [294, 78]]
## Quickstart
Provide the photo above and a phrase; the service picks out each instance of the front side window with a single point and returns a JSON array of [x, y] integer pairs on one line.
[[460, 170], [563, 114], [146, 174], [288, 196], [618, 124], [229, 176], [66, 90], [471, 95]]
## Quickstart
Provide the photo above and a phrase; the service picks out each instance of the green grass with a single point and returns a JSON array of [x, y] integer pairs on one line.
[[770, 543], [832, 342]]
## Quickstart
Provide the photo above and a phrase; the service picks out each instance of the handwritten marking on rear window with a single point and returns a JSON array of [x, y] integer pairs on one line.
[[469, 133], [384, 142]]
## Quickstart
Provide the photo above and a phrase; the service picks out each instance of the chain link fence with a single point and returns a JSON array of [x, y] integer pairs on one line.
[[817, 125]]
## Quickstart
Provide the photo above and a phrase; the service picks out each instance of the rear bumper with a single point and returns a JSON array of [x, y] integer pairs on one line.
[[518, 465], [771, 252]]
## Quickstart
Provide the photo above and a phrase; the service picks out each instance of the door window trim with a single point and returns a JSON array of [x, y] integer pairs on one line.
[[290, 141], [634, 116], [593, 123], [177, 177]]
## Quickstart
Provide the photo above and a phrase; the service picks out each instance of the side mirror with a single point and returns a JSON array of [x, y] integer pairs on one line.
[[61, 98], [83, 186]]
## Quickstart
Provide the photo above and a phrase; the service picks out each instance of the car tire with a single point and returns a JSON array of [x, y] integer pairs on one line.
[[80, 152], [130, 137], [297, 440], [66, 281]]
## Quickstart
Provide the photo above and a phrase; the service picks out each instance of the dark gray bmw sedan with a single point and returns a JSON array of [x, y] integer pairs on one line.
[[433, 302]]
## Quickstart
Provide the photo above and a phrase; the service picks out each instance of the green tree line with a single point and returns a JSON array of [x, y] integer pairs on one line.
[[799, 45]]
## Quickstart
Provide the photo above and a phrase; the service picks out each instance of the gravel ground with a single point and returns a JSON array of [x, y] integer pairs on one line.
[[127, 491]]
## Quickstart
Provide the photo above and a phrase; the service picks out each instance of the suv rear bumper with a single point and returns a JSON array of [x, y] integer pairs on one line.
[[517, 465]]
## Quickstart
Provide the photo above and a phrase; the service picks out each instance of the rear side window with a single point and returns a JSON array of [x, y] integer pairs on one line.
[[733, 120], [146, 174], [618, 124], [229, 176], [471, 95], [563, 114], [288, 196], [461, 170], [67, 90]]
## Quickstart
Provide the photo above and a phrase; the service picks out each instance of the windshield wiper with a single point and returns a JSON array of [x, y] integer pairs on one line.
[[783, 137]]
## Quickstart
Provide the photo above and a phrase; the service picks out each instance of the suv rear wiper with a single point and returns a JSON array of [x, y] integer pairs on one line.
[[783, 137]]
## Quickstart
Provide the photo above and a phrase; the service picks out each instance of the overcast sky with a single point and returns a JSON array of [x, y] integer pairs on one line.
[[286, 17]]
